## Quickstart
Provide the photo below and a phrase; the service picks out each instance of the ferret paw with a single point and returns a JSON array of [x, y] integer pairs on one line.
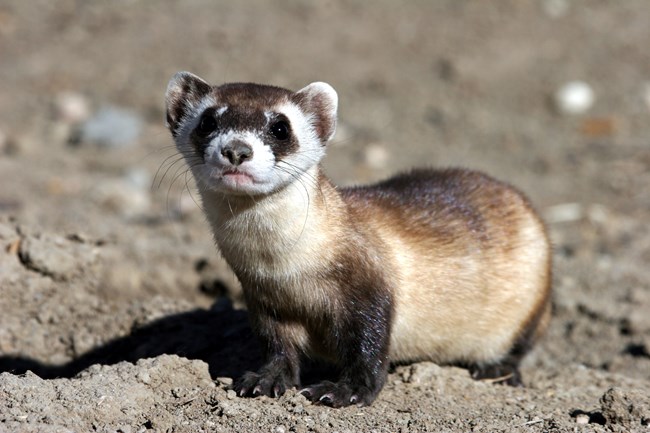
[[339, 394], [255, 384]]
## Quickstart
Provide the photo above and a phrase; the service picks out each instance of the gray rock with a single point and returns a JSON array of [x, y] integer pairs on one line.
[[112, 127]]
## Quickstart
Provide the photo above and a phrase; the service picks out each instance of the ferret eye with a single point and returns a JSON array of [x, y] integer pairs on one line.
[[280, 130], [207, 125]]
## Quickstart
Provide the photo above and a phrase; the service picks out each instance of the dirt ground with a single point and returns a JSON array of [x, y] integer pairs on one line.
[[116, 312]]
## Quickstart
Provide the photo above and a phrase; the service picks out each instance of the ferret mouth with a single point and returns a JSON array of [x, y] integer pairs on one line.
[[237, 178]]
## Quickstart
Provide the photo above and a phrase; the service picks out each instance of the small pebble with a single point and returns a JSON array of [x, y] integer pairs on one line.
[[231, 394], [376, 156], [227, 381], [424, 373], [599, 127], [582, 418], [562, 213], [144, 377], [72, 107], [574, 97]]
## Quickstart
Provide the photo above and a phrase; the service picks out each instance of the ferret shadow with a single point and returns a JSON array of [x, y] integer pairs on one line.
[[220, 336]]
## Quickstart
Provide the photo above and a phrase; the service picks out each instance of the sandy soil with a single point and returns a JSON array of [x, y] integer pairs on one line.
[[116, 312]]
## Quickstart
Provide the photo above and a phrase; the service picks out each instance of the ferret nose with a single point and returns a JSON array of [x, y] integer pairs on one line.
[[237, 152]]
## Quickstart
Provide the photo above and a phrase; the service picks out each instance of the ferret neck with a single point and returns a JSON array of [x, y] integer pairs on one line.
[[310, 199], [261, 232]]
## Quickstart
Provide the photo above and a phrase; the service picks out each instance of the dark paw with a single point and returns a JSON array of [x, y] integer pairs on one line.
[[255, 384], [339, 394], [497, 373]]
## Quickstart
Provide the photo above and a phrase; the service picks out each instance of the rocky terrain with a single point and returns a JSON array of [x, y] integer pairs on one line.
[[117, 313]]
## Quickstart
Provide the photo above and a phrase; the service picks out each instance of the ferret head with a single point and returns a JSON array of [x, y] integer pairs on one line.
[[249, 139]]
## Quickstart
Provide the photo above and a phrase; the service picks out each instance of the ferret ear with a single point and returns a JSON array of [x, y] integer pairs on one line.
[[183, 91], [320, 100]]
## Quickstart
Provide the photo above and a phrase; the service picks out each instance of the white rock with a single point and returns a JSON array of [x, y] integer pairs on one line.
[[574, 97], [144, 377], [562, 213], [376, 156], [424, 373], [72, 107], [582, 418], [226, 381]]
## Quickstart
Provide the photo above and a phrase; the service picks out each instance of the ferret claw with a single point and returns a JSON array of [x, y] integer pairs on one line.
[[326, 398]]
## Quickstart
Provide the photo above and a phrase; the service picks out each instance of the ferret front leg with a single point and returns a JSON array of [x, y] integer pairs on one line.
[[363, 344], [282, 368]]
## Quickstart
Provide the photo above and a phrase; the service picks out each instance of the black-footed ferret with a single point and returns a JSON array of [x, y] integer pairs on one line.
[[450, 265]]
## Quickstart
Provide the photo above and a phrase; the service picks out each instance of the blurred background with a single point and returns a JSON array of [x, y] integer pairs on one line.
[[550, 95], [420, 83]]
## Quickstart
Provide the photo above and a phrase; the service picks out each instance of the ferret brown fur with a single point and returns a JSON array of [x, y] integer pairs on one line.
[[450, 266]]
